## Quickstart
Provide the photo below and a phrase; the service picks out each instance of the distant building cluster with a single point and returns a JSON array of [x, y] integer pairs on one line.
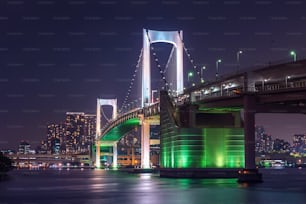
[[73, 136], [264, 143], [299, 144], [25, 148]]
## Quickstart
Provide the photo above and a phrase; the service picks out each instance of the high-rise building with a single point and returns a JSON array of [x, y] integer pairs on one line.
[[24, 147], [75, 125], [89, 134], [55, 138], [263, 141], [42, 148], [74, 136]]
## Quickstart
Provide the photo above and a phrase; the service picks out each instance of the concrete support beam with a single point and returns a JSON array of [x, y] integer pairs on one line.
[[98, 162], [145, 143], [115, 155], [249, 102]]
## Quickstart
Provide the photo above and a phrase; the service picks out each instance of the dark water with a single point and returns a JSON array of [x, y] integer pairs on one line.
[[100, 186]]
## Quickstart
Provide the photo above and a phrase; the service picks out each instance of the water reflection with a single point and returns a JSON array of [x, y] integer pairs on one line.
[[99, 186], [201, 183]]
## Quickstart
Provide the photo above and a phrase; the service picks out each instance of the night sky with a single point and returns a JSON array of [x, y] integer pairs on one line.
[[58, 56]]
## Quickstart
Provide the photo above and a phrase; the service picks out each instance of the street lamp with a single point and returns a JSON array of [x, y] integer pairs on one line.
[[217, 67], [286, 79], [292, 53], [190, 74], [238, 62], [263, 84], [202, 69]]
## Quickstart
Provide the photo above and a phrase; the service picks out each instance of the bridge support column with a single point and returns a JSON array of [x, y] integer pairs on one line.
[[249, 131], [145, 143], [250, 173], [115, 155], [98, 162]]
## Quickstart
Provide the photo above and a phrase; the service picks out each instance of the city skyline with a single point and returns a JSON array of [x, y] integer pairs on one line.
[[281, 126], [268, 121], [61, 56]]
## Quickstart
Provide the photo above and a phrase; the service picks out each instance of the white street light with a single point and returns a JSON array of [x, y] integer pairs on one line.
[[263, 84], [217, 67], [202, 69], [238, 59], [286, 79]]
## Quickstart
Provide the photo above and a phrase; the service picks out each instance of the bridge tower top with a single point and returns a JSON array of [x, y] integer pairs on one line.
[[153, 36], [104, 102]]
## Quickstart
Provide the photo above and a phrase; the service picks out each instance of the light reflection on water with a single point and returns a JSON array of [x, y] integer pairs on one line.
[[95, 186]]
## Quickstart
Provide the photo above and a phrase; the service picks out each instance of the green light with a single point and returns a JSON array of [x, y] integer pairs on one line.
[[190, 74], [218, 110], [203, 148], [294, 55], [120, 130], [220, 161]]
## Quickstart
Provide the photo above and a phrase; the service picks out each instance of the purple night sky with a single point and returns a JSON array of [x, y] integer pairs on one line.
[[58, 56], [282, 126]]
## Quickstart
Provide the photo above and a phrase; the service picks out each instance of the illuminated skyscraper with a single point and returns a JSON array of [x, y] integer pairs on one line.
[[74, 136], [88, 136], [74, 123], [263, 141], [55, 138], [24, 147]]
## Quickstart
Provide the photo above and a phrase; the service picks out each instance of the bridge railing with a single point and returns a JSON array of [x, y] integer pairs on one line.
[[281, 85], [221, 89], [152, 109]]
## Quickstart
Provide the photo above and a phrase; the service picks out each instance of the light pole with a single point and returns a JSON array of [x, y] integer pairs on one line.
[[292, 53], [263, 84], [202, 69], [217, 67], [286, 79], [238, 60], [190, 74]]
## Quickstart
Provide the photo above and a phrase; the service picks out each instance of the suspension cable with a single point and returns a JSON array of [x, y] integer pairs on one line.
[[106, 118], [190, 58], [159, 66], [132, 81], [169, 59]]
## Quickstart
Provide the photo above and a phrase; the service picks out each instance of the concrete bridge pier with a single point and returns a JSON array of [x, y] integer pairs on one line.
[[115, 155], [250, 173], [98, 154], [145, 142]]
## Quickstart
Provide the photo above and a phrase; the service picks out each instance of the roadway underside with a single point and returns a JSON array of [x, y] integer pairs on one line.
[[120, 130]]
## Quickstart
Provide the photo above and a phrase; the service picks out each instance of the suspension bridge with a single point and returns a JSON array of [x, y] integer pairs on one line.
[[207, 129]]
